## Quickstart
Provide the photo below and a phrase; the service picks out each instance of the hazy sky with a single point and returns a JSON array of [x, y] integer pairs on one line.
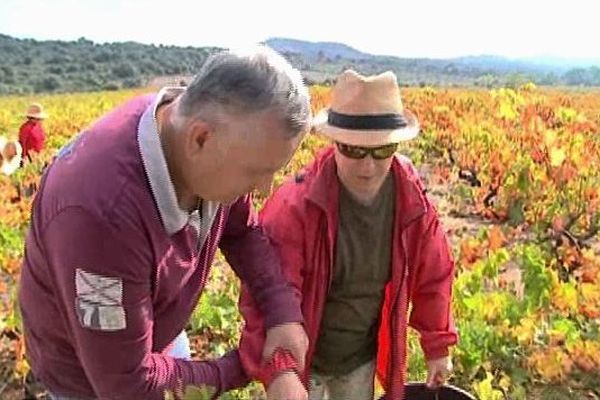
[[405, 28]]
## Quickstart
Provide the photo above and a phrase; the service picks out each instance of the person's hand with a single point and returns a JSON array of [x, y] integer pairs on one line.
[[286, 386], [291, 337], [438, 371]]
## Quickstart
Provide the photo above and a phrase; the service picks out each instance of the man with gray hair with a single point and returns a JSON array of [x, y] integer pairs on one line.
[[127, 222]]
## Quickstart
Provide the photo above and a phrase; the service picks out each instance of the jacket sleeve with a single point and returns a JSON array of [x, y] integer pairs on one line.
[[102, 275], [24, 139], [285, 231], [431, 313], [255, 261]]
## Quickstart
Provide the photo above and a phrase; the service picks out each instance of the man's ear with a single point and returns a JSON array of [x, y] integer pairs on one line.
[[198, 133]]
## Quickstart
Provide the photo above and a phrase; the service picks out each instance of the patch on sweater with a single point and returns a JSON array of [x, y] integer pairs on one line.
[[99, 301], [68, 148]]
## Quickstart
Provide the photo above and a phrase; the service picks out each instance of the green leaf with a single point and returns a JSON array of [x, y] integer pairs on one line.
[[568, 328], [536, 277], [515, 212]]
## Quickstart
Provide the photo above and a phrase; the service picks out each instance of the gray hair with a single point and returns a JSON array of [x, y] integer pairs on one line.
[[245, 82]]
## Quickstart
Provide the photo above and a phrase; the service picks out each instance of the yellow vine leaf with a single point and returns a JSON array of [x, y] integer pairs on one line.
[[557, 157]]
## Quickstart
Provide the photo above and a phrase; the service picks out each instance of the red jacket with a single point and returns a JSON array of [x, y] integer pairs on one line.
[[31, 137], [301, 218]]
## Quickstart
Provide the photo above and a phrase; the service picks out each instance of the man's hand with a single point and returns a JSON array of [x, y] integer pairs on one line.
[[291, 337], [438, 371], [286, 386]]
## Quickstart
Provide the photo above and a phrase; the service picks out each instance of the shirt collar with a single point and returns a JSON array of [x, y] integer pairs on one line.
[[173, 217]]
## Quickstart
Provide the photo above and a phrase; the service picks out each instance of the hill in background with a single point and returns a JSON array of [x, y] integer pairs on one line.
[[321, 60], [32, 66]]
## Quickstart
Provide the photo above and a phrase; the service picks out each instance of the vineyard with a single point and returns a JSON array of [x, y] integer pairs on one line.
[[516, 177]]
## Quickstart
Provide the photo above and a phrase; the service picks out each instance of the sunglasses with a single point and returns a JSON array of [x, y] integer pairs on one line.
[[357, 152]]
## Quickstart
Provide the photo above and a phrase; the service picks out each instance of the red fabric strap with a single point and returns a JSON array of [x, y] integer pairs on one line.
[[282, 360]]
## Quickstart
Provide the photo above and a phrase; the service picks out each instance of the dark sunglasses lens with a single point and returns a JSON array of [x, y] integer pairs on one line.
[[384, 152], [351, 151]]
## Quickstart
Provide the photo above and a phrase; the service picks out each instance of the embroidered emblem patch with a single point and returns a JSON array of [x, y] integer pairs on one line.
[[99, 301]]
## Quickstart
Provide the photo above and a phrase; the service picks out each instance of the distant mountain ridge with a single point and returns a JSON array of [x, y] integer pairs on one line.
[[484, 61], [316, 49], [323, 60], [563, 62]]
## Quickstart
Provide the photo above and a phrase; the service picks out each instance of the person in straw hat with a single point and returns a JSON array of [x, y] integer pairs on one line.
[[360, 241], [31, 132], [10, 156]]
